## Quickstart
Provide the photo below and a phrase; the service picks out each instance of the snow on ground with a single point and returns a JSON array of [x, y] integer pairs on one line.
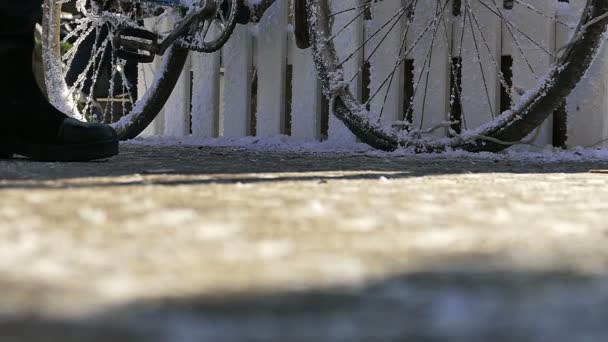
[[288, 144]]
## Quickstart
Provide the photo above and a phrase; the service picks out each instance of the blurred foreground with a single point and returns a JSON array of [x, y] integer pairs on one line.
[[180, 244]]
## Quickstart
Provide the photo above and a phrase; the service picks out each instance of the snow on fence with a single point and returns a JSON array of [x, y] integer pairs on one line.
[[261, 84]]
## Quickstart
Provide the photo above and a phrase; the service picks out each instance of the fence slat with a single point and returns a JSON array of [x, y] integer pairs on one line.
[[177, 119], [480, 65], [588, 104], [587, 107], [272, 66], [306, 100], [386, 77], [145, 78], [205, 94], [221, 104], [347, 42], [236, 100], [527, 71], [431, 99]]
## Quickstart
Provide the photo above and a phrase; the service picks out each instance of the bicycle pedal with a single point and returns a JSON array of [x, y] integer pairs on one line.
[[135, 44]]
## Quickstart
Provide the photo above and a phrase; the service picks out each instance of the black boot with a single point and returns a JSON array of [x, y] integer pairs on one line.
[[29, 125]]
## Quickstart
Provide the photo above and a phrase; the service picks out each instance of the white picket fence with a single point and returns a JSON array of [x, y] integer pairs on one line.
[[261, 84]]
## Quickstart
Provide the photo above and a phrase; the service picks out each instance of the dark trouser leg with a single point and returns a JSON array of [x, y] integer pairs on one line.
[[20, 12], [18, 89], [17, 20]]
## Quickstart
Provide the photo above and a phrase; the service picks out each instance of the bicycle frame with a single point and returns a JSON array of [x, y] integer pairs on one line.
[[170, 3], [257, 10]]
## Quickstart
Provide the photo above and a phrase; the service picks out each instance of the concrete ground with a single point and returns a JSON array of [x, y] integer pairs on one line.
[[225, 244]]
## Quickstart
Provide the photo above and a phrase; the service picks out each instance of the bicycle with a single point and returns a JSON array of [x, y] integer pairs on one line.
[[138, 31]]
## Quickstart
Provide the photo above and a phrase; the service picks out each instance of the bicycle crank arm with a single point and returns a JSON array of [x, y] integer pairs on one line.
[[141, 46]]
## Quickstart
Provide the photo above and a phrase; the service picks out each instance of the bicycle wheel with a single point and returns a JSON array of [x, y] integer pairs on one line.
[[478, 75], [86, 79]]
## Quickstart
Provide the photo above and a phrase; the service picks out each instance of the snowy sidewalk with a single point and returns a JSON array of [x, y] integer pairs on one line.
[[180, 244]]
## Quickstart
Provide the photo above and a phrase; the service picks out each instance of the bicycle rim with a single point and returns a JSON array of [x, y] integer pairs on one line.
[[85, 78], [380, 62]]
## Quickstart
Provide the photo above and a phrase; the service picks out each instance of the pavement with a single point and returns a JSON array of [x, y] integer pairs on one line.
[[180, 244]]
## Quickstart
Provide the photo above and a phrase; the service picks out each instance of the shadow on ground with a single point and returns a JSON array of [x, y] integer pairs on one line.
[[428, 306]]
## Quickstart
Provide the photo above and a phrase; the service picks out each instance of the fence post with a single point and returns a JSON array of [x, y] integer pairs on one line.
[[272, 66], [587, 106], [236, 101], [348, 41], [205, 94], [386, 83], [432, 89], [145, 78], [480, 97], [528, 70], [306, 99], [177, 119]]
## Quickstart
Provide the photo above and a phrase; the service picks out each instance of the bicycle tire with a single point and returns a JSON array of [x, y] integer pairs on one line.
[[143, 111], [503, 131]]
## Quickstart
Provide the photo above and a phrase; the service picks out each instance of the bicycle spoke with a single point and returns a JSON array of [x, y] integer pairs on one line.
[[97, 70], [97, 79], [402, 58], [395, 68], [480, 61], [510, 25], [377, 37], [109, 110], [473, 18], [455, 93], [544, 15], [395, 20], [430, 59], [365, 6]]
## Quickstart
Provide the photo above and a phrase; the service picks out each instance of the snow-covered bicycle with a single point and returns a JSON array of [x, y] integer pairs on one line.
[[116, 37]]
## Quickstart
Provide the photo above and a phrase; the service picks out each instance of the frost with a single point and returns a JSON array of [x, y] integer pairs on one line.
[[259, 41], [288, 144]]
